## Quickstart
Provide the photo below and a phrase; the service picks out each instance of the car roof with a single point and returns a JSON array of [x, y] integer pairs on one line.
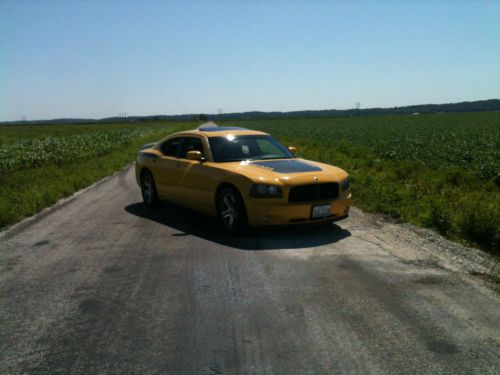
[[211, 129]]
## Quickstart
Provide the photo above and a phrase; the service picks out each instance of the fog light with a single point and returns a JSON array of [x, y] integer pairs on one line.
[[266, 219]]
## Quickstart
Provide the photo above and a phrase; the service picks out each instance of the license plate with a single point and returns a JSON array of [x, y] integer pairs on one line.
[[321, 211]]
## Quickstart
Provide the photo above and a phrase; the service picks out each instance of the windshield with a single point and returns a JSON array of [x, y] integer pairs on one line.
[[247, 147]]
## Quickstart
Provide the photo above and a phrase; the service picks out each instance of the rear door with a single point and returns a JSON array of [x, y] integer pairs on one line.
[[166, 168]]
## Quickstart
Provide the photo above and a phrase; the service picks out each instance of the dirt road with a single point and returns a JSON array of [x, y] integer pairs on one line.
[[100, 284]]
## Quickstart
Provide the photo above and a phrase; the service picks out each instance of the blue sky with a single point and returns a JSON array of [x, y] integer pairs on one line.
[[94, 59]]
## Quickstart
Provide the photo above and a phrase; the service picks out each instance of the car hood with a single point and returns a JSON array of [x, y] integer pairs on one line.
[[286, 171]]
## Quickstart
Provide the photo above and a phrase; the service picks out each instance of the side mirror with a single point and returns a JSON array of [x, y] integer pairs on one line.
[[292, 149], [195, 155]]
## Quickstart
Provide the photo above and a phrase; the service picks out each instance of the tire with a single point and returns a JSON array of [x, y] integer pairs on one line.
[[148, 189], [231, 210]]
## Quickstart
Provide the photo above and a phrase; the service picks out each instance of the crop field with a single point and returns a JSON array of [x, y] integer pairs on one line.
[[440, 171], [34, 153]]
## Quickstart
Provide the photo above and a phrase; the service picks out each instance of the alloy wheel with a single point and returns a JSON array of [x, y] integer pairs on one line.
[[229, 209]]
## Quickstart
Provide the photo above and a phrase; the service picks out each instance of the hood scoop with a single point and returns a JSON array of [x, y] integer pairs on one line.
[[286, 166]]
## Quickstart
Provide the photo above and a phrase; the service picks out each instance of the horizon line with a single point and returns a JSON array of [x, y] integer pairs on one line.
[[237, 112]]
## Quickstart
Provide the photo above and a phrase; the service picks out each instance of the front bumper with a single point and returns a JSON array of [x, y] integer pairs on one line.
[[263, 212]]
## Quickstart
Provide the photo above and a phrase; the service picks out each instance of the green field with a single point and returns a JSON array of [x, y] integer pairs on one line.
[[440, 171]]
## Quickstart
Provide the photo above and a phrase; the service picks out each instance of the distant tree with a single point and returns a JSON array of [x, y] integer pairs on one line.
[[203, 117]]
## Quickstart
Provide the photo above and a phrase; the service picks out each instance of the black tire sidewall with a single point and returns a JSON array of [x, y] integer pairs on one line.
[[154, 197]]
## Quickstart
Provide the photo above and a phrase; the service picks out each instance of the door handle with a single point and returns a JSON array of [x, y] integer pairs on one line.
[[178, 165]]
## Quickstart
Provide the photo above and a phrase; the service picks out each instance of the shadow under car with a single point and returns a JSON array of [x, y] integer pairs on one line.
[[188, 222]]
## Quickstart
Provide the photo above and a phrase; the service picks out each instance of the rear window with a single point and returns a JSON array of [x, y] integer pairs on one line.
[[171, 147]]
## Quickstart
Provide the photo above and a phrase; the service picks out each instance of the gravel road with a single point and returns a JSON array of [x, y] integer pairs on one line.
[[101, 284]]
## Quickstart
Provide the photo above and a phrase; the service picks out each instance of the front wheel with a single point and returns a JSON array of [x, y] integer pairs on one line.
[[231, 210], [148, 189]]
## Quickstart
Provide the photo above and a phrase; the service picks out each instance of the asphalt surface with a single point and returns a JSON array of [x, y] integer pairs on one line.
[[101, 284]]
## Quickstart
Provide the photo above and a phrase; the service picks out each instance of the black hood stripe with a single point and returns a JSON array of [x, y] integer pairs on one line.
[[286, 166]]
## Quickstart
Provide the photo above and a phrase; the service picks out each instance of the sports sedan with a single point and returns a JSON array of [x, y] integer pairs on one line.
[[243, 177]]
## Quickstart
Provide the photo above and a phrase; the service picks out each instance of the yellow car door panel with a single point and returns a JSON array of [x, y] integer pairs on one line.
[[166, 170], [194, 182], [197, 184]]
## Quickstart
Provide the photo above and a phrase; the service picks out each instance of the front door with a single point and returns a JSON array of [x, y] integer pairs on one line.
[[195, 182]]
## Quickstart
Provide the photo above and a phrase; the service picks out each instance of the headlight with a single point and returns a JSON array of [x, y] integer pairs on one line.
[[345, 185], [265, 191]]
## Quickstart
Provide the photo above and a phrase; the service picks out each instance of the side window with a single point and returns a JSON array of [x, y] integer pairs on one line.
[[191, 144], [171, 147]]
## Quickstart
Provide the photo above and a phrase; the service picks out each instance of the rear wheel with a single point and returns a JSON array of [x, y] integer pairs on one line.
[[148, 189], [231, 210]]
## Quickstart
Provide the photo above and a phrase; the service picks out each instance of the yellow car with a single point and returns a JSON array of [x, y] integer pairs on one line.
[[243, 177]]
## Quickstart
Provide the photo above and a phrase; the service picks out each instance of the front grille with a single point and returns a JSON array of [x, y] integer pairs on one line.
[[314, 192]]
